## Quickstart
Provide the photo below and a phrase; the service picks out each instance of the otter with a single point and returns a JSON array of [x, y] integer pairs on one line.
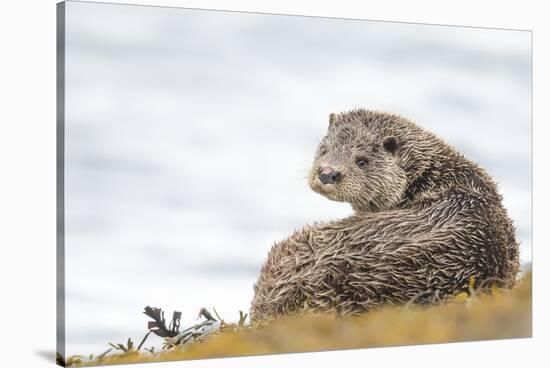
[[426, 222]]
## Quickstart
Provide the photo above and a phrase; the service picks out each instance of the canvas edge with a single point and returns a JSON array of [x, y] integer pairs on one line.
[[60, 181]]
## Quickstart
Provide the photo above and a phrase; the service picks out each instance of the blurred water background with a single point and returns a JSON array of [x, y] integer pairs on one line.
[[189, 134]]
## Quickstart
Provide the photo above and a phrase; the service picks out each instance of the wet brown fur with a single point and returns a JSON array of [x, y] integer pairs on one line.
[[426, 220]]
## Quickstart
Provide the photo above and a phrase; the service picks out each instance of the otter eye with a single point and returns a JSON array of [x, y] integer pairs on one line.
[[361, 162]]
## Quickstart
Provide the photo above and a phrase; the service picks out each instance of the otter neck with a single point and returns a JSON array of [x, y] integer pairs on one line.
[[439, 173]]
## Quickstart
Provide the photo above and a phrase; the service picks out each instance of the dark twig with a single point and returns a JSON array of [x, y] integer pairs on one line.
[[102, 355], [143, 340], [206, 314], [151, 350], [158, 325], [242, 318]]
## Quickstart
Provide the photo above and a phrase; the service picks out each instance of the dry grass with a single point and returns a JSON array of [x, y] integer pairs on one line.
[[504, 314]]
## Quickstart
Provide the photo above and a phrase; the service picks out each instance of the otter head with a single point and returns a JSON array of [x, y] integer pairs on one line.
[[358, 161]]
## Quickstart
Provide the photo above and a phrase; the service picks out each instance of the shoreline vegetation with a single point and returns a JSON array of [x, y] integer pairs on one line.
[[468, 316]]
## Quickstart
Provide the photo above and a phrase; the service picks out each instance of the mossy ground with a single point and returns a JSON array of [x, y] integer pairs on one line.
[[500, 315]]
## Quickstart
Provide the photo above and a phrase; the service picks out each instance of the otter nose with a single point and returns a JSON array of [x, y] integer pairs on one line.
[[328, 175]]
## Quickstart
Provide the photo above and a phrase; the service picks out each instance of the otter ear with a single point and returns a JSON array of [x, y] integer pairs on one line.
[[391, 144], [331, 119]]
